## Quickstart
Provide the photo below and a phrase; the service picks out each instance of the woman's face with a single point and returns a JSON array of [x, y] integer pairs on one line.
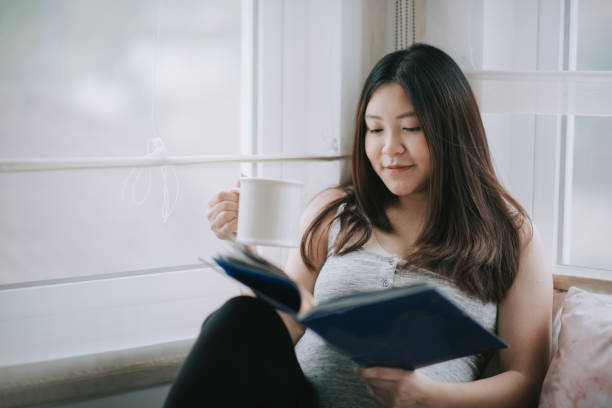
[[395, 143]]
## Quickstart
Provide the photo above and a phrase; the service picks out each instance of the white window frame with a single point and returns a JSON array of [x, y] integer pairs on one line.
[[532, 168], [566, 274], [72, 317], [546, 160]]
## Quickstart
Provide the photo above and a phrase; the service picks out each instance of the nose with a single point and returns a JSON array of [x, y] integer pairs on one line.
[[393, 143]]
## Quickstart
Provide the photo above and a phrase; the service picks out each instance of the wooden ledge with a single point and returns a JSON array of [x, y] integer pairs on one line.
[[593, 280], [91, 375]]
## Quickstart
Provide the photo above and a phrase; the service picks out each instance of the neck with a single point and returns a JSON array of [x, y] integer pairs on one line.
[[407, 218], [413, 206]]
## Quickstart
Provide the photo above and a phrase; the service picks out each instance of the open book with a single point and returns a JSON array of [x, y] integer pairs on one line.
[[405, 327]]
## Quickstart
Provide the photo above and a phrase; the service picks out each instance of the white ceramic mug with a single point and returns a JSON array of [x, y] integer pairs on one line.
[[269, 212]]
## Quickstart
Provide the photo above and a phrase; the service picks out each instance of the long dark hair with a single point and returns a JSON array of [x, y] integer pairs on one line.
[[472, 231]]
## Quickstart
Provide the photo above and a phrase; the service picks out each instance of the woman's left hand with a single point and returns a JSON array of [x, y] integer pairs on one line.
[[393, 387]]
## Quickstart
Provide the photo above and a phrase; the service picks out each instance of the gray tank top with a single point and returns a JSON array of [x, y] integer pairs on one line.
[[371, 268]]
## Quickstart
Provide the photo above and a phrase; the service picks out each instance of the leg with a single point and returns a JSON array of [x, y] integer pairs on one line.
[[243, 357]]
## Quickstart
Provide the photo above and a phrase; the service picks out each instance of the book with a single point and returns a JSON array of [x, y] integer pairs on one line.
[[405, 327]]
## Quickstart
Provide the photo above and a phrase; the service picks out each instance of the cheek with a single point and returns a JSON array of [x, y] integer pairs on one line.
[[425, 160], [370, 150], [422, 153]]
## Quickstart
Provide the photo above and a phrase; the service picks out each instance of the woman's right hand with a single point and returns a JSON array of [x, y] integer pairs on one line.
[[222, 214]]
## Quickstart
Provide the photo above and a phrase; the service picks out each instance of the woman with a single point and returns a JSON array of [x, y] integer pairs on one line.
[[424, 205]]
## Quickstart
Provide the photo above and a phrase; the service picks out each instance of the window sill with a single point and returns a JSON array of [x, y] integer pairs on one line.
[[85, 339], [593, 280], [72, 341], [92, 375]]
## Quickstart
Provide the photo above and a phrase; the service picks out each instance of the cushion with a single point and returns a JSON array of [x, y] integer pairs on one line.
[[580, 374]]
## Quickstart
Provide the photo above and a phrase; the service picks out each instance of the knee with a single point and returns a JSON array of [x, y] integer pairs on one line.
[[238, 310]]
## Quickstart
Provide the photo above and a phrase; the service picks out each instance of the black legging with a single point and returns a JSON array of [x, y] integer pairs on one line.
[[244, 357]]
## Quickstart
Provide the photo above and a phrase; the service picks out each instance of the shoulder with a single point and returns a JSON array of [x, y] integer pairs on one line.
[[531, 250], [315, 224], [534, 268], [320, 203], [526, 231], [326, 196], [532, 254], [524, 315]]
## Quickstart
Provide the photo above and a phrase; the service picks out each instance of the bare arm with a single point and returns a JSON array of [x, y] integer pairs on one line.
[[222, 214], [295, 267], [524, 322]]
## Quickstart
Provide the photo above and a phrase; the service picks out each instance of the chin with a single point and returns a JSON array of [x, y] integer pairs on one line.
[[406, 190], [401, 190]]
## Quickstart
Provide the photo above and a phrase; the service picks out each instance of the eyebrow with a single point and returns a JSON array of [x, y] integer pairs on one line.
[[400, 116]]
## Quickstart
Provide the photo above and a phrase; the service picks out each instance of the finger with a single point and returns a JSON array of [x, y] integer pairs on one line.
[[220, 221], [375, 395], [380, 385], [224, 206], [211, 214], [229, 229], [368, 373], [381, 373], [359, 371], [223, 196], [214, 199]]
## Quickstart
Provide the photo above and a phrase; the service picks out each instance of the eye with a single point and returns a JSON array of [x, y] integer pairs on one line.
[[412, 129], [375, 131]]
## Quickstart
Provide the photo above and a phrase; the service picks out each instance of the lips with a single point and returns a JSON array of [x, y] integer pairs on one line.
[[398, 168]]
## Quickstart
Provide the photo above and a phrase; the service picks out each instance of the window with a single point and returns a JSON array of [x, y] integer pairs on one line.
[[543, 79], [103, 81], [103, 225], [587, 200], [96, 247]]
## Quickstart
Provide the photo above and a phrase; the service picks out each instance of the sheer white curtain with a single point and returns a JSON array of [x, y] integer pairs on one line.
[[97, 81], [87, 263]]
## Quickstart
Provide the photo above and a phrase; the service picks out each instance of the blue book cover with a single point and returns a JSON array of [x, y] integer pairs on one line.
[[405, 327]]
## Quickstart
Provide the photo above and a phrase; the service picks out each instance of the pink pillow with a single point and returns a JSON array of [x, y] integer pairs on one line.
[[580, 374]]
